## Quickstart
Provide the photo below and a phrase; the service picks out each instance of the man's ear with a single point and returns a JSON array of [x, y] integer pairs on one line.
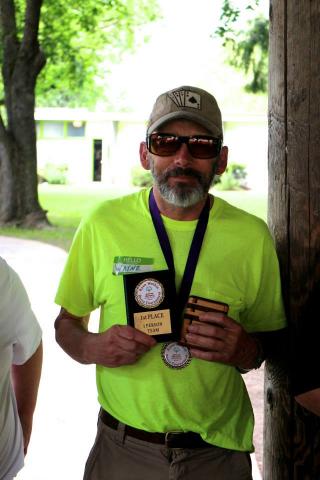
[[144, 160], [222, 161]]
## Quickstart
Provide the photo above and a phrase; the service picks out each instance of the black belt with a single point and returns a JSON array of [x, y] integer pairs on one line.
[[168, 439]]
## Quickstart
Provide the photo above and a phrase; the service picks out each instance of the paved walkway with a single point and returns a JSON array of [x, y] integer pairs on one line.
[[65, 419]]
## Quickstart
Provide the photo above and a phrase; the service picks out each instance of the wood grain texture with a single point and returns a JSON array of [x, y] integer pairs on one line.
[[292, 437], [277, 455]]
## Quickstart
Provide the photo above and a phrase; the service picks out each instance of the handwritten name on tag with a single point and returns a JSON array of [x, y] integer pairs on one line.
[[125, 264]]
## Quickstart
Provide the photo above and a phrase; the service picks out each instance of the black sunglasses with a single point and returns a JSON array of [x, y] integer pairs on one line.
[[199, 146]]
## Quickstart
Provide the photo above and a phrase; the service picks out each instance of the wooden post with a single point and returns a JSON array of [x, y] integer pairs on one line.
[[291, 436]]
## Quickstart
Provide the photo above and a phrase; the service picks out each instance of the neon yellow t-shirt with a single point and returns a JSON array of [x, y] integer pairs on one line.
[[237, 265]]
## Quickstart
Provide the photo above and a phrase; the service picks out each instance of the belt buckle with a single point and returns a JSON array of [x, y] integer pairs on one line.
[[173, 433]]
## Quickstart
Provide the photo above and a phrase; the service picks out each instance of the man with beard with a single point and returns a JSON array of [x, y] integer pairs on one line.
[[189, 292]]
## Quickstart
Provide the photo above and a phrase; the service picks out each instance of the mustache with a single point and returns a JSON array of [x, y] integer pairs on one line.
[[176, 172]]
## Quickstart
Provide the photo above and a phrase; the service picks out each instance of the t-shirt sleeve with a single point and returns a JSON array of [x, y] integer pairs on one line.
[[304, 365], [305, 374], [75, 290], [265, 311], [18, 316], [305, 377]]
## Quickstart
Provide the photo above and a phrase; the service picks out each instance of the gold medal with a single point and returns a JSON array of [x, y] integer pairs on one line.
[[175, 355]]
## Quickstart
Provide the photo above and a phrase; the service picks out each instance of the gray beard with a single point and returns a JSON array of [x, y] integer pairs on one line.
[[182, 195]]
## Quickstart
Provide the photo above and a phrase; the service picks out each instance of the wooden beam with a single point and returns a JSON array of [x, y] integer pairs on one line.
[[292, 437]]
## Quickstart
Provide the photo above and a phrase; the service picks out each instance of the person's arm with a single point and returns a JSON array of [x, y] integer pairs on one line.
[[310, 400], [26, 378], [119, 345]]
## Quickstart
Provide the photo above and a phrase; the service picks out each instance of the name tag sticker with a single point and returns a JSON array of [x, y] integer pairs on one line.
[[124, 265]]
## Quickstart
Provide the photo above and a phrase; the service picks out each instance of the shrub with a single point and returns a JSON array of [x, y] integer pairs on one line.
[[54, 174], [141, 177], [234, 178]]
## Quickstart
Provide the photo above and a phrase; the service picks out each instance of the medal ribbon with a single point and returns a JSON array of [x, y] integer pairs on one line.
[[192, 260]]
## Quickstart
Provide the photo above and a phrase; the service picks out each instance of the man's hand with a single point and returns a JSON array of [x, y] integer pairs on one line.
[[218, 338], [119, 345]]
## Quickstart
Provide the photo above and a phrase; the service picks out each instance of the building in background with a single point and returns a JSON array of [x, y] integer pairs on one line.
[[77, 146]]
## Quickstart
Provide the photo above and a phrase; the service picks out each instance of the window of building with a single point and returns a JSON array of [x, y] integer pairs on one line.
[[76, 129], [53, 129], [38, 129]]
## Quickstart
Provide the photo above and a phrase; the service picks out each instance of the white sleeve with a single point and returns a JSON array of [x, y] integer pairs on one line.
[[17, 315]]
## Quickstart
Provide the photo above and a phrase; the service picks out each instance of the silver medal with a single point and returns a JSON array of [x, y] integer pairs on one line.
[[175, 355]]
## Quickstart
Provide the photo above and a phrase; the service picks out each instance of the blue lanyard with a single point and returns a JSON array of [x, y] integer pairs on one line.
[[194, 251]]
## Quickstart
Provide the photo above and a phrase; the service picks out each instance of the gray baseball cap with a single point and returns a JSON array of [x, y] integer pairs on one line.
[[190, 103]]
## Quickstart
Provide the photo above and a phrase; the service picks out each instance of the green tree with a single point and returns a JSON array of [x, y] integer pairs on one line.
[[72, 37], [247, 47], [76, 37]]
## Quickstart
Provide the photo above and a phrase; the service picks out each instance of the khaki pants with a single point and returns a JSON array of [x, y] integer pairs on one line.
[[115, 456]]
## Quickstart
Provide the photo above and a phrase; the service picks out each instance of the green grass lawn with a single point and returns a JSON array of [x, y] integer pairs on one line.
[[67, 204], [252, 201]]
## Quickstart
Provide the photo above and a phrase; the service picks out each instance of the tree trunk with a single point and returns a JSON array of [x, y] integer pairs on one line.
[[22, 63], [292, 438]]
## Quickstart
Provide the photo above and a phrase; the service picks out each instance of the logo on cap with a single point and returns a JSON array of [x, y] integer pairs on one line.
[[186, 98]]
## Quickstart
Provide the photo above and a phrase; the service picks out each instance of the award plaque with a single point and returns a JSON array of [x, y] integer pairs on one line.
[[150, 298], [197, 305]]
